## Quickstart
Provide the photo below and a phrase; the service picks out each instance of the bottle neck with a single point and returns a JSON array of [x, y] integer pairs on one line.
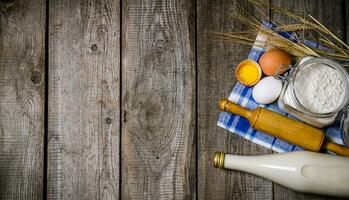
[[241, 163], [236, 162]]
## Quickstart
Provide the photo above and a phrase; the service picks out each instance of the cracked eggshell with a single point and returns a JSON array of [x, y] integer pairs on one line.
[[267, 90]]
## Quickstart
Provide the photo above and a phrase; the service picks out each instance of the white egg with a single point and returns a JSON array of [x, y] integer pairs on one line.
[[267, 90]]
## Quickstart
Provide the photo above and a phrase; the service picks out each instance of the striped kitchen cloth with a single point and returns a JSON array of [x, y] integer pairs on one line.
[[242, 95]]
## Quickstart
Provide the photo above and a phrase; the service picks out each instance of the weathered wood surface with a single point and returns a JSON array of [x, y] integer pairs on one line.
[[216, 65], [170, 76], [83, 123], [330, 13], [158, 100], [22, 98]]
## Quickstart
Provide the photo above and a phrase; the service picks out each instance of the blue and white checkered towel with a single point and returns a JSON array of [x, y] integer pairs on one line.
[[242, 95]]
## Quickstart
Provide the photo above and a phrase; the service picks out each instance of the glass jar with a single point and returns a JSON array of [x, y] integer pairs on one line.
[[289, 102], [344, 125]]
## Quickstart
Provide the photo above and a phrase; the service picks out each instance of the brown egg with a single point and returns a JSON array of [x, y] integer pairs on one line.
[[272, 59]]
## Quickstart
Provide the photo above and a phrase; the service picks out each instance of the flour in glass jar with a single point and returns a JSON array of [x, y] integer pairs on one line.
[[320, 89]]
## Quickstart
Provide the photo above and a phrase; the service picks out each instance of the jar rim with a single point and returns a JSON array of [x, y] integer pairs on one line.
[[334, 65]]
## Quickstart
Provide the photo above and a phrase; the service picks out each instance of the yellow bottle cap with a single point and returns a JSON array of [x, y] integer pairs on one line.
[[218, 160]]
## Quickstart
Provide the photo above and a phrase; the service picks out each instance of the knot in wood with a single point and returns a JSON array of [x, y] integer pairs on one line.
[[108, 120], [35, 77], [94, 47]]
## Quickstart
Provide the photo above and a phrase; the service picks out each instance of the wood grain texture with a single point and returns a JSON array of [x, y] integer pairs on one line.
[[330, 13], [22, 72], [216, 65], [84, 71], [158, 100]]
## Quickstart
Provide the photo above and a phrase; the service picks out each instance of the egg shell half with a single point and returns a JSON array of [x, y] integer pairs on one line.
[[267, 90]]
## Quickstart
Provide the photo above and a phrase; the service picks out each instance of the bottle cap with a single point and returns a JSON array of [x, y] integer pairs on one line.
[[218, 160]]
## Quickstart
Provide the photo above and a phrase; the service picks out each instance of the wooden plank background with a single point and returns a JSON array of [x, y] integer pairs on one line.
[[158, 98], [104, 99], [84, 83], [22, 99]]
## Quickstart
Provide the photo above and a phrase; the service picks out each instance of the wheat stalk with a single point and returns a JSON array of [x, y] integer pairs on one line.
[[326, 30], [287, 13], [293, 27], [315, 24], [331, 45], [296, 48]]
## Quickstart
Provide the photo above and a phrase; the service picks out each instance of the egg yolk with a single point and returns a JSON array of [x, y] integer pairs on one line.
[[248, 74]]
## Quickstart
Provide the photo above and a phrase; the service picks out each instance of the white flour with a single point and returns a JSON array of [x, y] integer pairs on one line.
[[319, 89]]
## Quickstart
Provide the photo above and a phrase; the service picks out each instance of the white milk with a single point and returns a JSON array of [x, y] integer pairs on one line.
[[302, 171]]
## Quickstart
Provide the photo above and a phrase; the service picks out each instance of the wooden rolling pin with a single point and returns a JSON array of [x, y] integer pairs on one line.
[[284, 128]]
